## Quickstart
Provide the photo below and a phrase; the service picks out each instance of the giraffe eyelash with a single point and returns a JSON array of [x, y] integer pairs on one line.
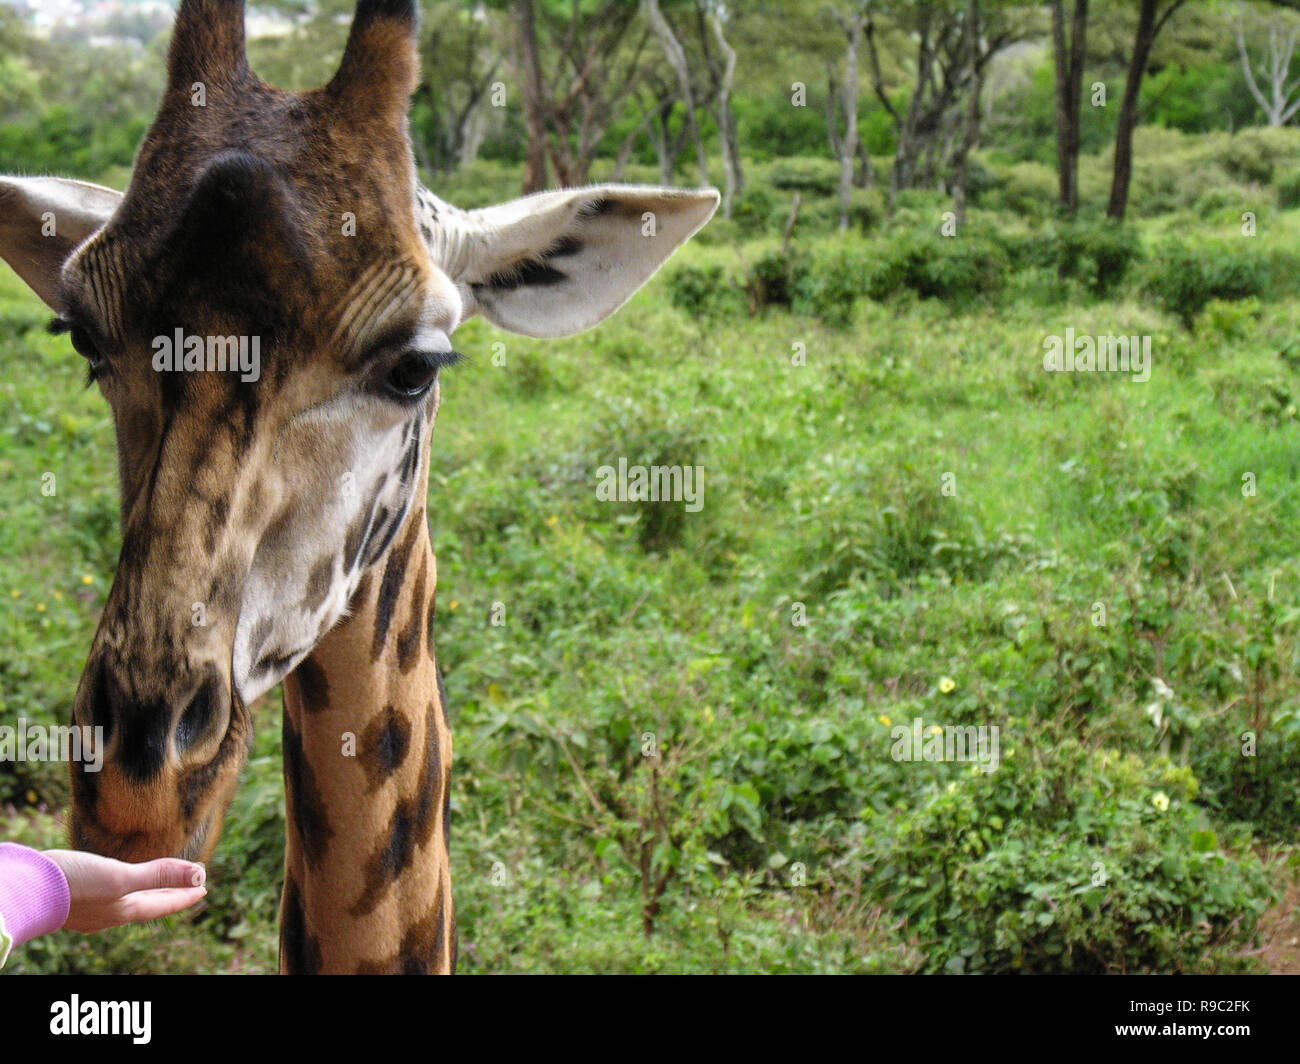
[[96, 365]]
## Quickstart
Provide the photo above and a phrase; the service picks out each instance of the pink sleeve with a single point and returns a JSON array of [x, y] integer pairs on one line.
[[34, 896]]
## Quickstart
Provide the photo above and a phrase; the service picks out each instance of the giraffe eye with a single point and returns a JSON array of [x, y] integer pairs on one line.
[[85, 347], [412, 376], [414, 373], [83, 344]]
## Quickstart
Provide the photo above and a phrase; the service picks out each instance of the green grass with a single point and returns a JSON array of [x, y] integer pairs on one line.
[[825, 493]]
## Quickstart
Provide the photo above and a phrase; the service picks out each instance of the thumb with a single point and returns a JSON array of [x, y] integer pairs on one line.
[[165, 872]]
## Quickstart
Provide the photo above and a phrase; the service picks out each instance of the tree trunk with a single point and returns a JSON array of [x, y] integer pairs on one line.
[[1147, 29], [849, 101], [560, 154], [970, 134], [629, 142], [534, 94], [733, 177], [863, 174], [667, 147], [1069, 61], [910, 142], [676, 56]]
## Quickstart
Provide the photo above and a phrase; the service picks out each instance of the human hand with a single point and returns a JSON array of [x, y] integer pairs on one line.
[[107, 893]]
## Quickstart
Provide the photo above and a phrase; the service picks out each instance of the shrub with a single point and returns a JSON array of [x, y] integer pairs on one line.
[[771, 280], [1288, 190], [1075, 860], [830, 286], [1184, 279], [1027, 189], [1097, 254], [802, 174], [752, 209], [866, 211], [645, 433], [825, 286], [955, 270], [908, 527], [1027, 251], [702, 291], [1224, 319]]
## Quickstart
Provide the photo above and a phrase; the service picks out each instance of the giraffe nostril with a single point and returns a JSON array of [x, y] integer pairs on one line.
[[199, 715], [102, 695]]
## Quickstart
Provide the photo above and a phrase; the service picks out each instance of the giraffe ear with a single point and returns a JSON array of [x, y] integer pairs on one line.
[[207, 46], [381, 62], [43, 220], [556, 263]]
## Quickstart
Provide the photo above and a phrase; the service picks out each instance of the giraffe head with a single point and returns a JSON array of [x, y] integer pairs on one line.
[[285, 233]]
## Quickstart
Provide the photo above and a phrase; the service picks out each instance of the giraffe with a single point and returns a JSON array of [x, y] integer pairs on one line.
[[274, 524]]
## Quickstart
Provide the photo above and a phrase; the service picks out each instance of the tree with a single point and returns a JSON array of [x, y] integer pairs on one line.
[[1151, 20], [1283, 100], [1069, 60], [529, 66], [676, 56], [577, 64], [848, 144], [971, 132], [461, 58], [657, 123], [954, 45], [722, 75]]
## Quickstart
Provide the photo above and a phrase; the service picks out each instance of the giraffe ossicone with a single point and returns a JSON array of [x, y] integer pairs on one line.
[[231, 500]]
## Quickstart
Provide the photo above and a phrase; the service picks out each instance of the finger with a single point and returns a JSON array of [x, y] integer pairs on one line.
[[165, 872], [151, 904]]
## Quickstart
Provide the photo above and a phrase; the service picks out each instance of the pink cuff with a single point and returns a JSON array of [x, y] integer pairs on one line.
[[34, 896]]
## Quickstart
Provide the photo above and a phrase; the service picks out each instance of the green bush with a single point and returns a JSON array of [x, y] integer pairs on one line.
[[1026, 189], [831, 284], [772, 279], [646, 435], [808, 175], [753, 209], [1288, 190], [1036, 249], [1184, 278], [702, 291], [1097, 254], [866, 211], [953, 269], [1262, 790], [826, 285], [909, 528], [770, 127], [1071, 860]]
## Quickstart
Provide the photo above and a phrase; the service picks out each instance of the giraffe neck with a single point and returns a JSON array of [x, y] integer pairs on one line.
[[367, 758]]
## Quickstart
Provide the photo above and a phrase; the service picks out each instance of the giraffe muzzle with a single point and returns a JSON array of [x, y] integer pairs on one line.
[[170, 769]]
